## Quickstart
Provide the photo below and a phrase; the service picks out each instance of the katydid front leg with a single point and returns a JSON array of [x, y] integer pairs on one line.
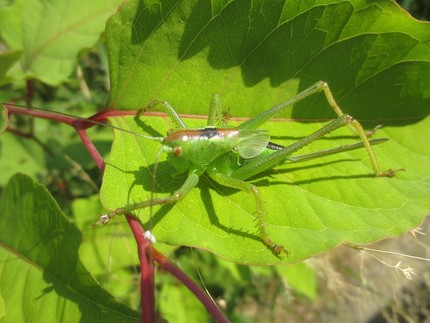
[[189, 184], [215, 116], [167, 108]]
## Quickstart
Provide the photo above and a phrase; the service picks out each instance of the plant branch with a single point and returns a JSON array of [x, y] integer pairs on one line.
[[204, 298], [145, 250], [92, 150]]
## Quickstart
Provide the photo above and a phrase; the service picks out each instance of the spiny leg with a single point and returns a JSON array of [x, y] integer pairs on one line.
[[215, 111], [216, 116], [331, 151], [189, 184], [356, 127], [265, 116], [245, 186], [318, 87], [167, 108], [268, 161]]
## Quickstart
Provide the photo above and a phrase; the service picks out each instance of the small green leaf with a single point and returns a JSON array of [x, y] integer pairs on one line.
[[300, 277], [19, 155], [7, 60], [177, 304], [3, 118], [109, 251], [40, 272], [51, 34]]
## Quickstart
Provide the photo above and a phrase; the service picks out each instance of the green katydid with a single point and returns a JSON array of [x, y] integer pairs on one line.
[[231, 155]]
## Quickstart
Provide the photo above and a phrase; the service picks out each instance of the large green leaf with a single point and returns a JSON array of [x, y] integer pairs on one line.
[[51, 34], [256, 54], [41, 274]]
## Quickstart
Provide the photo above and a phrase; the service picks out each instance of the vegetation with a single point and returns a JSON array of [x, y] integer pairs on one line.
[[255, 55]]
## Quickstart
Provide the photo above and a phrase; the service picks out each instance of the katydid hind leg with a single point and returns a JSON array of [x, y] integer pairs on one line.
[[268, 161], [357, 128], [320, 86], [332, 151]]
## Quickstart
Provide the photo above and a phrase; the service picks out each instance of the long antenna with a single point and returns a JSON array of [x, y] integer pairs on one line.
[[71, 119]]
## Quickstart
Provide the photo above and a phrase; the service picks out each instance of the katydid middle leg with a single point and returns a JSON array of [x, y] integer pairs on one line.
[[245, 186], [217, 116], [215, 111]]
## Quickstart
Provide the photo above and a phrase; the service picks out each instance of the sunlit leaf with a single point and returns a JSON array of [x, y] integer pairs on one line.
[[40, 271], [257, 54], [51, 34], [7, 60], [3, 118]]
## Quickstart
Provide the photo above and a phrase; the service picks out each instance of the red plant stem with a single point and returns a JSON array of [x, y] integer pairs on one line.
[[30, 91], [41, 114], [76, 122], [145, 250], [204, 298], [92, 150]]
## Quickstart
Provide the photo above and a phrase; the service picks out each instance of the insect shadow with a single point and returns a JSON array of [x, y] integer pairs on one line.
[[143, 178]]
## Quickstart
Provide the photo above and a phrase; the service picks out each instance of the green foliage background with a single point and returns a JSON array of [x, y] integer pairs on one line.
[[255, 54]]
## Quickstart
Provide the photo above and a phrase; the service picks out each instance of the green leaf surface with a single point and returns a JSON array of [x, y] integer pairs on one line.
[[19, 155], [51, 34], [257, 54], [301, 278], [110, 251], [3, 118], [7, 60], [41, 275], [178, 304]]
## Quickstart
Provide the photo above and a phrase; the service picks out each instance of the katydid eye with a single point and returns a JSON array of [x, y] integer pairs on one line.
[[177, 151]]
